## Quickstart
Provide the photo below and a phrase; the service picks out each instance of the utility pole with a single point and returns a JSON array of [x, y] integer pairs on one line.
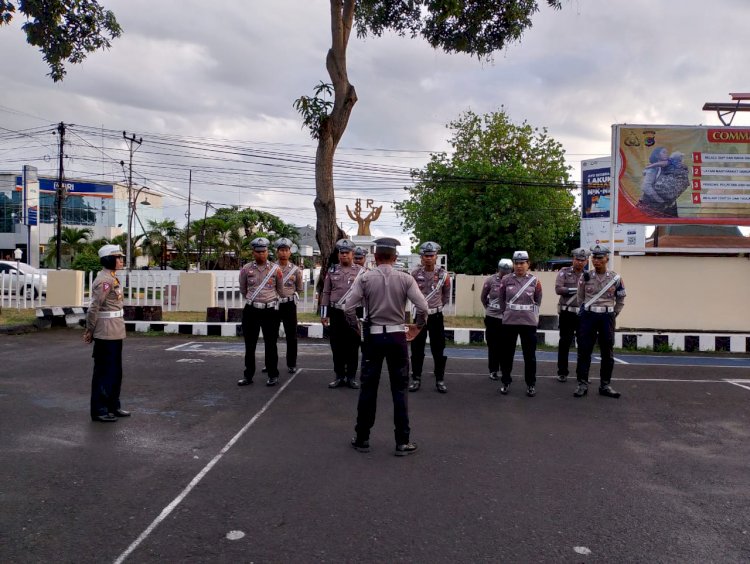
[[59, 195], [129, 251], [187, 229], [203, 235]]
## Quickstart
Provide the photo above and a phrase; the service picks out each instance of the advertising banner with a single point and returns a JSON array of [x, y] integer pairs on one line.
[[596, 228], [674, 174], [30, 195]]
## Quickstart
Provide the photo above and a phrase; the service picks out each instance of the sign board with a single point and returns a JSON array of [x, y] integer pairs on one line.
[[676, 174], [596, 200], [30, 195]]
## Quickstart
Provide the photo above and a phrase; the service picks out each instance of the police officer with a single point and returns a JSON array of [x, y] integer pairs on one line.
[[520, 299], [435, 285], [292, 284], [106, 328], [344, 340], [601, 295], [566, 286], [493, 318], [384, 291], [261, 284], [360, 257]]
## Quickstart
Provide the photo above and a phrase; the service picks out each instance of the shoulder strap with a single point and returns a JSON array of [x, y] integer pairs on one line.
[[438, 286], [518, 294], [290, 273], [263, 283], [349, 291], [611, 283]]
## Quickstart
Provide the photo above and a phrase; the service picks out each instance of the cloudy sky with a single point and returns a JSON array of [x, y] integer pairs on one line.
[[189, 79]]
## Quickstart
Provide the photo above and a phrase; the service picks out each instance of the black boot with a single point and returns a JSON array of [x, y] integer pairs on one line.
[[440, 374], [416, 383], [581, 390]]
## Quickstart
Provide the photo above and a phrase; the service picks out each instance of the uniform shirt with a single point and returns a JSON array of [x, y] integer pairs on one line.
[[491, 296], [293, 283], [613, 297], [532, 295], [337, 283], [252, 274], [566, 286], [384, 291], [106, 295], [428, 281]]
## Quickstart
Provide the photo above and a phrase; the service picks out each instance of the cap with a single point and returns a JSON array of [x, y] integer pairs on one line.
[[580, 253], [111, 251], [344, 245], [386, 243], [260, 244], [283, 242], [429, 248], [505, 264], [600, 250], [520, 256], [360, 252]]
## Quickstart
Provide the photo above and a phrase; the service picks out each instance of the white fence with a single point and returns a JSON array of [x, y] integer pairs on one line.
[[22, 291]]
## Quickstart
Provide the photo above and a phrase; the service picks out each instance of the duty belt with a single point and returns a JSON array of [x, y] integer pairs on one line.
[[518, 307], [434, 310], [109, 314], [574, 309], [261, 305], [288, 299], [597, 309], [338, 305], [374, 329]]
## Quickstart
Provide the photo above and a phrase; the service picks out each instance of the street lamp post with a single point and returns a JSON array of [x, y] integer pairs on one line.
[[18, 254]]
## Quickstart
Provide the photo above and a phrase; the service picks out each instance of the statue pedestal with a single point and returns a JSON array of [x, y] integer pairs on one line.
[[366, 242]]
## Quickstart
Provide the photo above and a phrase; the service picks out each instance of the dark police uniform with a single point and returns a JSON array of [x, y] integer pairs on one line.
[[598, 323], [344, 340], [384, 292], [493, 317], [261, 284], [105, 324], [435, 286], [520, 299], [293, 283], [566, 286]]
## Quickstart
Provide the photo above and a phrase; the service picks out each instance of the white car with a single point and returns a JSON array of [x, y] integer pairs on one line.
[[11, 277]]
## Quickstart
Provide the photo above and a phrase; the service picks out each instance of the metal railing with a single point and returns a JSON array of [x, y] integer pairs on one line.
[[22, 291]]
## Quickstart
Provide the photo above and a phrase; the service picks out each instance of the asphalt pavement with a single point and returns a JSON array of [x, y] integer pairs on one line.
[[206, 471]]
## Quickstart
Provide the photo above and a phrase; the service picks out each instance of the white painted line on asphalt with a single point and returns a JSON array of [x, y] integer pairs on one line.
[[619, 361], [182, 346], [737, 383], [198, 477]]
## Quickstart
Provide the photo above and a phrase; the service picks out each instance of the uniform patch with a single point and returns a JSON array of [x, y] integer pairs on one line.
[[106, 286]]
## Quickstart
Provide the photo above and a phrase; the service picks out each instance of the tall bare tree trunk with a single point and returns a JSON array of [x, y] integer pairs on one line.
[[332, 129]]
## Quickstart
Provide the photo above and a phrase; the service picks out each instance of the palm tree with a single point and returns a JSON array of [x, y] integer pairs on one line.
[[158, 238], [72, 240]]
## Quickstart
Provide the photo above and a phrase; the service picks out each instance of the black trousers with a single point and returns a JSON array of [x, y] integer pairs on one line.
[[391, 347], [510, 334], [254, 321], [596, 327], [107, 379], [568, 324], [288, 314], [493, 336], [435, 328], [344, 345]]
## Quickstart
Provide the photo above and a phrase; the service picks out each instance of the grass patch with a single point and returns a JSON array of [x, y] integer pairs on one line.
[[12, 316]]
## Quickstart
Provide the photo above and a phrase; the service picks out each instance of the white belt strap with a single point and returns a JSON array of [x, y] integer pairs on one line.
[[519, 307], [601, 309], [349, 291], [438, 287], [263, 283], [109, 314], [289, 274], [387, 328], [518, 294], [434, 310], [611, 283]]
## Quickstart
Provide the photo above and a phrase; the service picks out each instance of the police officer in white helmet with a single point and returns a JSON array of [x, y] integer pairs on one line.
[[493, 317]]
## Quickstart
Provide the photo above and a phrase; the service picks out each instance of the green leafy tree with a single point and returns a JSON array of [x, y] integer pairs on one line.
[[505, 187], [87, 260], [476, 27], [64, 30], [72, 239], [158, 238]]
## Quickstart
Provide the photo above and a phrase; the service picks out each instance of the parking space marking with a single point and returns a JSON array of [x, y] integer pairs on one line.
[[198, 477], [745, 384]]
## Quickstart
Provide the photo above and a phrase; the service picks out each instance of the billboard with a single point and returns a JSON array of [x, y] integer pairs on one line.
[[30, 195], [596, 200], [676, 174]]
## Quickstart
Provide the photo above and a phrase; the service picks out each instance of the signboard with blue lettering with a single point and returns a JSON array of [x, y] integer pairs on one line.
[[72, 187]]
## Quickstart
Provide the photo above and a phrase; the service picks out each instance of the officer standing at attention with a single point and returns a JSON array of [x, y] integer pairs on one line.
[[601, 295], [493, 318], [566, 286], [520, 299], [360, 257], [292, 284], [435, 285], [261, 283], [106, 328], [344, 340], [384, 292]]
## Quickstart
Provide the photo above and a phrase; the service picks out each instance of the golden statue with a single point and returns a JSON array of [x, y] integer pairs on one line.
[[363, 223]]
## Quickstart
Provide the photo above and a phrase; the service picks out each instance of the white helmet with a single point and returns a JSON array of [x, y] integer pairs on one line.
[[520, 256], [505, 265], [111, 251]]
